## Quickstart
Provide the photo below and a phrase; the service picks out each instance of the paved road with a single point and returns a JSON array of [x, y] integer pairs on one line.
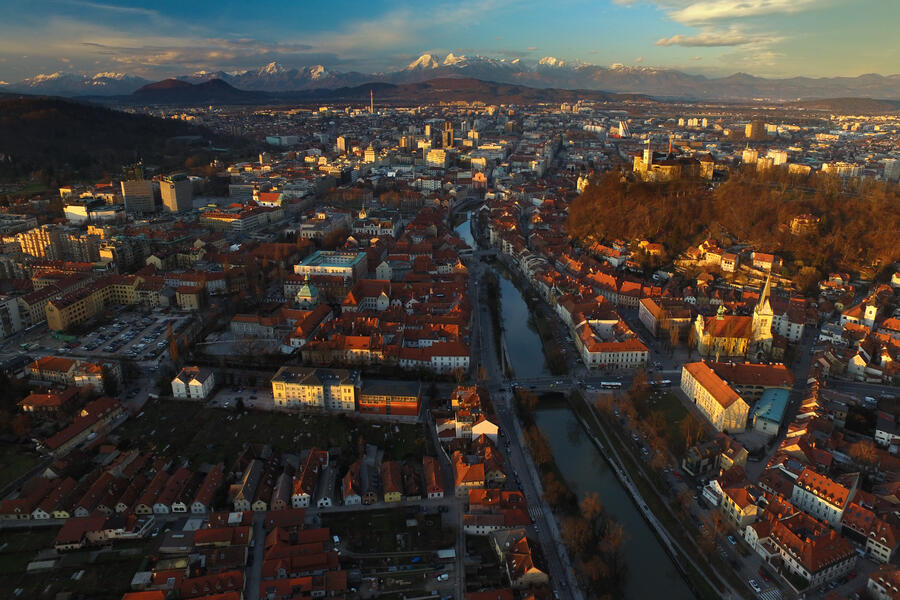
[[253, 573], [545, 525]]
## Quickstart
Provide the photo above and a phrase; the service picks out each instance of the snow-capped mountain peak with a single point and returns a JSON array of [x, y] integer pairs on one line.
[[272, 68], [110, 75], [550, 61], [44, 77], [453, 60], [426, 61], [318, 72]]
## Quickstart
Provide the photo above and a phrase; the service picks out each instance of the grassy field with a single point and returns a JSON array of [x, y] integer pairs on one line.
[[212, 435], [20, 547], [487, 573], [14, 462], [675, 412], [377, 531]]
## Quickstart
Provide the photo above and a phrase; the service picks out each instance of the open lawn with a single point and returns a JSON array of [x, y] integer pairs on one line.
[[19, 547], [15, 462], [675, 412], [377, 531], [212, 434], [484, 569]]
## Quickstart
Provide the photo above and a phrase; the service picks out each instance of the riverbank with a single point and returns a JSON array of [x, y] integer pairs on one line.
[[554, 357], [671, 529], [591, 536]]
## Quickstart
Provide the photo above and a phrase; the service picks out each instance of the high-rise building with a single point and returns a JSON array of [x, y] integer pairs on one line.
[[42, 242], [755, 130], [10, 319], [892, 169], [341, 144], [370, 154], [436, 158], [81, 247], [138, 195], [447, 135], [779, 157], [177, 193]]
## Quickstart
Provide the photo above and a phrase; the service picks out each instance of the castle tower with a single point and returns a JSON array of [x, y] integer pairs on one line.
[[761, 336]]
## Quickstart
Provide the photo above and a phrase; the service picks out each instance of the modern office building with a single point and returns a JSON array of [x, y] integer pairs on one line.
[[138, 195], [177, 193]]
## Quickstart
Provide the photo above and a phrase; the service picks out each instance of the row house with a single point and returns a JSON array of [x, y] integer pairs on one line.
[[307, 480], [94, 418]]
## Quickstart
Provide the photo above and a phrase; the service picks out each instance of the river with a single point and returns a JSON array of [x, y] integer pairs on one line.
[[651, 572], [523, 343]]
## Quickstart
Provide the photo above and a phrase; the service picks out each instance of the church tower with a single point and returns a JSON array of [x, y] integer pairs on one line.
[[761, 336]]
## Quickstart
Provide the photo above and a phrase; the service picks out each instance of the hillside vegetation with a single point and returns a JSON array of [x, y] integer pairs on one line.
[[57, 141], [857, 232]]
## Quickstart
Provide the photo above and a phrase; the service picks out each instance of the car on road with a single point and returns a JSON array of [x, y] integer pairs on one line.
[[731, 540], [755, 585]]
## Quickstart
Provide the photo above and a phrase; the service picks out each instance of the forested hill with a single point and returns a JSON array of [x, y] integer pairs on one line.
[[858, 229], [58, 140]]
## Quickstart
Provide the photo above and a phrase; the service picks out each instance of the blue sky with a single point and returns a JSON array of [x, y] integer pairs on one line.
[[776, 38]]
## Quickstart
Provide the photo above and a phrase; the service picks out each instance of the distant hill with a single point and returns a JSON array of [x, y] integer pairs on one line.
[[174, 91], [449, 89], [66, 139], [851, 105]]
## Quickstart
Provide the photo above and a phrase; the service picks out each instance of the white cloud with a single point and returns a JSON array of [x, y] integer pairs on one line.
[[114, 8], [639, 59], [706, 11], [710, 39], [155, 51]]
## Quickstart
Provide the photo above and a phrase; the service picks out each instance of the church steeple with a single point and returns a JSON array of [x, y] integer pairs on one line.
[[763, 315], [764, 306]]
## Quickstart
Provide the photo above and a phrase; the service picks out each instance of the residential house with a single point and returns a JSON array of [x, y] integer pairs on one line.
[[193, 383]]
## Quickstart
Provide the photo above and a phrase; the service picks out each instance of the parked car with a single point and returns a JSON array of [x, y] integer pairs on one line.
[[753, 584]]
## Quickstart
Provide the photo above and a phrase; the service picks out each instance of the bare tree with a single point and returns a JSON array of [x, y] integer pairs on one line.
[[591, 506], [864, 453]]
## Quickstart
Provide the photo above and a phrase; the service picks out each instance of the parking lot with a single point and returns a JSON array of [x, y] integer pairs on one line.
[[130, 335]]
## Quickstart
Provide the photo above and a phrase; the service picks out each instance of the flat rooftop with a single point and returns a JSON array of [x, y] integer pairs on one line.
[[384, 387], [326, 258], [772, 404]]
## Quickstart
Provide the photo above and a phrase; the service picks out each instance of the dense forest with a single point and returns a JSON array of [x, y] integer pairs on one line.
[[858, 228], [56, 141]]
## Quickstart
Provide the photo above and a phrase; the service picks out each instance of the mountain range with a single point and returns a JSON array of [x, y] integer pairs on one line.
[[548, 72], [450, 89]]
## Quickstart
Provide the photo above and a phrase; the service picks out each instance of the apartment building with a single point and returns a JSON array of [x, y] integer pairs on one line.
[[323, 389]]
